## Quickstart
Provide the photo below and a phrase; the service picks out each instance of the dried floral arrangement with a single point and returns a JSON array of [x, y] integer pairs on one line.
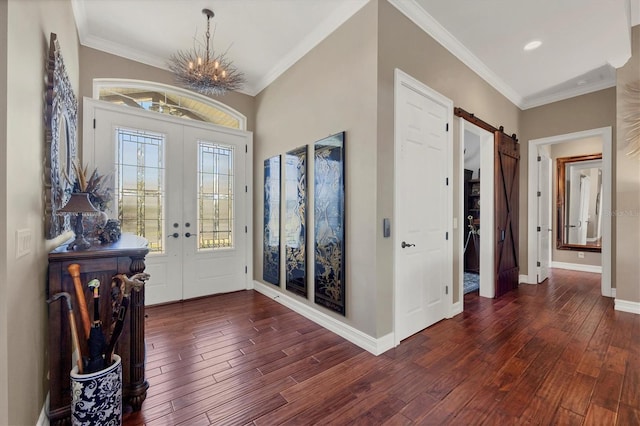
[[100, 195]]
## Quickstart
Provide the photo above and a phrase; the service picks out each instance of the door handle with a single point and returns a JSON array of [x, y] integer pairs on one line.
[[502, 234], [174, 235], [405, 245], [188, 234]]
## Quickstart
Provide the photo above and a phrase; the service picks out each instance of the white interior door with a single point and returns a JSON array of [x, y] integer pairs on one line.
[[184, 188], [423, 262], [544, 216]]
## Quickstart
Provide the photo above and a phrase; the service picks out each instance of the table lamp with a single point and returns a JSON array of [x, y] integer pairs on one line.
[[79, 204]]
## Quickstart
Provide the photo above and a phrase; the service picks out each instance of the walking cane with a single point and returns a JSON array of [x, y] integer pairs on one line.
[[75, 343], [74, 271], [125, 284]]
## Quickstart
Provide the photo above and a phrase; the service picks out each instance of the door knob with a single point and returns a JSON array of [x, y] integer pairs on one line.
[[404, 245], [188, 234], [175, 235]]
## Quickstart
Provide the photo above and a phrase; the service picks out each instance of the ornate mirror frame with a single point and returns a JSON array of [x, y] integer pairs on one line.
[[561, 202], [61, 123]]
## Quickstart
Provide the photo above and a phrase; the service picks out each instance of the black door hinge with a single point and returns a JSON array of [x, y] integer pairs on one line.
[[539, 229], [245, 229], [539, 194], [539, 158], [447, 181], [447, 127], [246, 148], [537, 263], [94, 123], [245, 269], [246, 188], [446, 289], [446, 235]]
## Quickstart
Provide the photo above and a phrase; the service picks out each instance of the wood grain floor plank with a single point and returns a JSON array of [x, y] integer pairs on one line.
[[598, 416], [555, 353]]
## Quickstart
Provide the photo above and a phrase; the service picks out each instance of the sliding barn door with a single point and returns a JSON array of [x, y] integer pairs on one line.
[[507, 162]]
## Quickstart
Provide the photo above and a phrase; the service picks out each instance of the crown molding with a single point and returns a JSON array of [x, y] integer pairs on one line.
[[536, 101], [346, 10], [329, 25], [429, 25]]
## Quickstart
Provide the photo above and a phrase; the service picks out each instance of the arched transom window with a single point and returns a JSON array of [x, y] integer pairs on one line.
[[167, 99]]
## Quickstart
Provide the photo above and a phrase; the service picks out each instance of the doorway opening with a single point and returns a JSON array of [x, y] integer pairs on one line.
[[540, 243], [479, 146], [471, 217]]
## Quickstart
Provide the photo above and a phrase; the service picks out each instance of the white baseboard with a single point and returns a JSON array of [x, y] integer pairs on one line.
[[577, 267], [456, 309], [357, 337], [43, 420], [627, 306], [613, 293], [524, 279]]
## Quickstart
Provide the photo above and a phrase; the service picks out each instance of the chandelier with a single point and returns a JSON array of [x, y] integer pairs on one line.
[[202, 70]]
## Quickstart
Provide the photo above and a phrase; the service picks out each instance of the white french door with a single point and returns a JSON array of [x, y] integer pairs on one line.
[[423, 207], [183, 187]]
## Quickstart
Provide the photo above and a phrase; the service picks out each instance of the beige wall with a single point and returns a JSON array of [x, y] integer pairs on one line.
[[4, 385], [627, 204], [591, 111], [98, 64], [403, 45], [29, 26], [570, 149], [331, 89]]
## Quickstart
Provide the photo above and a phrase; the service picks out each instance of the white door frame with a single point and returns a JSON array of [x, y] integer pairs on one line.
[[607, 170], [544, 185], [487, 216], [88, 155], [403, 79]]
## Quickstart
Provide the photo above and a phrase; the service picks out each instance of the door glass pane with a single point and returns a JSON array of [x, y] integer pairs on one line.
[[215, 196], [140, 185]]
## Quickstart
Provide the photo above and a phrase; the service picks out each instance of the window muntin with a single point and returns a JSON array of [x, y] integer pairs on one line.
[[215, 196], [169, 100], [140, 185]]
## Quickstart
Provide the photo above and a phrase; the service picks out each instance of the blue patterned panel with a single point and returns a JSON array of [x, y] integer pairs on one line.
[[271, 247], [296, 224], [329, 223]]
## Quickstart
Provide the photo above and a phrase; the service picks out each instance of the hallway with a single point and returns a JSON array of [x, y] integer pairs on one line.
[[552, 353]]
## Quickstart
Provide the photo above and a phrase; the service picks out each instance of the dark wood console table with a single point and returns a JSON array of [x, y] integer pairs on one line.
[[102, 262]]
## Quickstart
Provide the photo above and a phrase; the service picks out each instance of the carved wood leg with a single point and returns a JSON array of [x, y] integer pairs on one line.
[[136, 391]]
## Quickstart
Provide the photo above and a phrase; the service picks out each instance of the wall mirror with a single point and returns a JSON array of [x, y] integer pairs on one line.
[[61, 117], [579, 203]]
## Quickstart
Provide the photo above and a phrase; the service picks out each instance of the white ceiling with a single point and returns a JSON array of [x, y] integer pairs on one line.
[[583, 40]]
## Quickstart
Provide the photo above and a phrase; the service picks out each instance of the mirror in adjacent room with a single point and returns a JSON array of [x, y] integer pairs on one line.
[[579, 203]]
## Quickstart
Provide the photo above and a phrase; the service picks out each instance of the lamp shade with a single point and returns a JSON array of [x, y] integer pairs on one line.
[[79, 203]]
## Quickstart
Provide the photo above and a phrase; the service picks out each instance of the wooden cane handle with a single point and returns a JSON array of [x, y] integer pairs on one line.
[[74, 271], [74, 340]]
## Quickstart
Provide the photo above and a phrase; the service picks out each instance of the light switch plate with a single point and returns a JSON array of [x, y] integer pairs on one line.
[[23, 242]]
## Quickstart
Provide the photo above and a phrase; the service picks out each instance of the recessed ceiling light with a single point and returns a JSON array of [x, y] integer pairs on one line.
[[532, 45]]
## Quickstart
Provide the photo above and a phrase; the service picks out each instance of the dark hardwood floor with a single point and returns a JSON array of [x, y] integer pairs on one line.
[[555, 353]]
